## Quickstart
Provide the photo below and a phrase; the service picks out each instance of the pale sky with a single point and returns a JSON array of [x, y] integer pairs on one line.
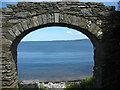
[[56, 33]]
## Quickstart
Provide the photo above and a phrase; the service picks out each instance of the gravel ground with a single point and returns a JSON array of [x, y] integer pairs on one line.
[[58, 85]]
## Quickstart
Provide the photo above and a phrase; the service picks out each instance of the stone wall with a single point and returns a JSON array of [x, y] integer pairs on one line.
[[100, 23]]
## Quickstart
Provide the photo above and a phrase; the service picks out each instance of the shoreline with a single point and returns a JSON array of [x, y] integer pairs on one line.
[[48, 84], [54, 81]]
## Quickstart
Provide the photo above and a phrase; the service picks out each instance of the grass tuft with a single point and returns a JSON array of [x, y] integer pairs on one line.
[[42, 87], [84, 84]]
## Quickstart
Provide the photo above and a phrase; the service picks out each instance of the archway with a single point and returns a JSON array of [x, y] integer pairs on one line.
[[93, 38], [19, 35], [98, 22], [40, 20], [64, 54]]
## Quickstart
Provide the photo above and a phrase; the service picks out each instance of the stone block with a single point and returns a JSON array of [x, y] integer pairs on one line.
[[95, 30], [67, 18], [29, 24], [56, 15], [10, 31], [99, 22], [82, 22], [4, 29], [8, 67], [99, 34], [5, 54], [40, 19], [8, 36], [14, 21], [74, 20], [104, 13], [6, 83], [86, 12], [22, 14], [16, 30], [19, 26], [44, 18], [35, 21], [92, 27], [50, 18], [24, 25], [5, 43], [8, 10]]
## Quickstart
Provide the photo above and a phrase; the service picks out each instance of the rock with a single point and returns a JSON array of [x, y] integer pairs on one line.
[[22, 14]]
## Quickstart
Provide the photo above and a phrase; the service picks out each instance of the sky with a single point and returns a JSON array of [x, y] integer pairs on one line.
[[56, 33]]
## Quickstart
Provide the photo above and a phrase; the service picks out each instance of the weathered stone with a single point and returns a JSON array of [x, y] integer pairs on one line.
[[56, 17], [24, 25], [93, 18], [74, 20], [50, 18], [111, 7], [104, 13], [7, 10], [16, 30], [22, 14], [40, 19], [92, 27], [8, 36], [11, 32], [5, 43], [20, 27], [44, 18], [99, 33], [67, 18], [86, 12], [100, 23], [14, 21], [1, 24], [35, 20], [82, 22]]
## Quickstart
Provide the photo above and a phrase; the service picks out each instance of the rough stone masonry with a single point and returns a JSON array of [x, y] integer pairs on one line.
[[100, 23]]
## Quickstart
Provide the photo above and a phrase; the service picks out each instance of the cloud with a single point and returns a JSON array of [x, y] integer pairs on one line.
[[74, 33], [70, 32], [78, 33]]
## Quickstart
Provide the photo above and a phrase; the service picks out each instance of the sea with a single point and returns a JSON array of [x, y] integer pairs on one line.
[[55, 60]]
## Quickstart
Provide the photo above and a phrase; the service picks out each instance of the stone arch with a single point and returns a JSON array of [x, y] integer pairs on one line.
[[95, 20], [81, 24], [21, 29]]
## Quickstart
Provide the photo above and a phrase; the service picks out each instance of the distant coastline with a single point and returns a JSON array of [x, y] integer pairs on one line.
[[57, 40], [71, 40]]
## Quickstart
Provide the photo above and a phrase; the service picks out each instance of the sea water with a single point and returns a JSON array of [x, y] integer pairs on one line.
[[55, 60]]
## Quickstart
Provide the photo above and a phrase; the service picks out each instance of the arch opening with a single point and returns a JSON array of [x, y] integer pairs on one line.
[[60, 66], [92, 37]]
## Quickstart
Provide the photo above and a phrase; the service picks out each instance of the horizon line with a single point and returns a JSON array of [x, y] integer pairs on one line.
[[56, 40]]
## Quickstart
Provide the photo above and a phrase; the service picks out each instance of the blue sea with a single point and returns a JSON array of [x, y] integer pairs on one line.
[[55, 60]]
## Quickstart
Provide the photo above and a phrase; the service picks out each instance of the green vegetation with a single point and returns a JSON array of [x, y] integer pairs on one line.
[[84, 84], [16, 88], [42, 87]]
